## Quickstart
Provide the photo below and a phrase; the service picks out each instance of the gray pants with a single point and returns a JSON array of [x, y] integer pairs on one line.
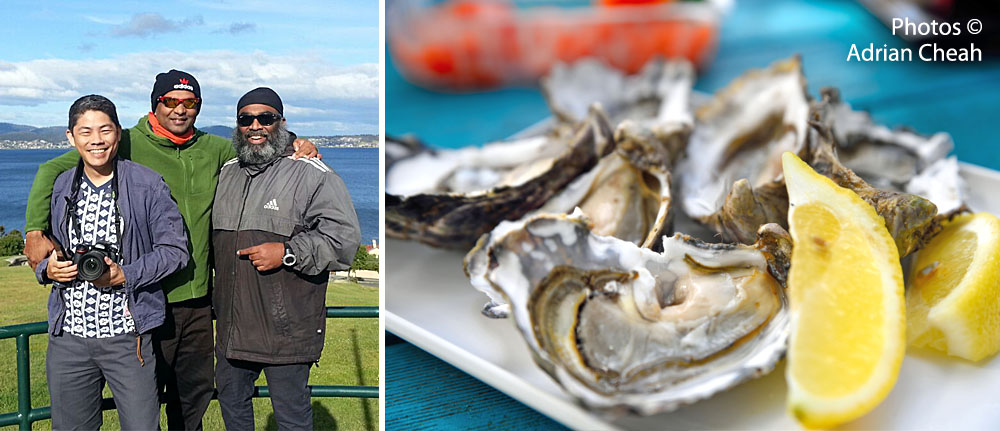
[[77, 369], [287, 383]]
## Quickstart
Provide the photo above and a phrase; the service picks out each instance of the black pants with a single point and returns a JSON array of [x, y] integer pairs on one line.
[[288, 385], [184, 346]]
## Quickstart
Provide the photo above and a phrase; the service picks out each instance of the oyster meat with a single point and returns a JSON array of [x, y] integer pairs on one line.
[[623, 328]]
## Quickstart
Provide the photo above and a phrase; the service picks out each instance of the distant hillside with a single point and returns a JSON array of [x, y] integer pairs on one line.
[[19, 132], [225, 132], [8, 127]]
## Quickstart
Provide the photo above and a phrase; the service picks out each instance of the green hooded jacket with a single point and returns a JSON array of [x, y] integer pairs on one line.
[[191, 171]]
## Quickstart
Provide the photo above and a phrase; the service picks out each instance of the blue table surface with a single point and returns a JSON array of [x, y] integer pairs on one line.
[[958, 98]]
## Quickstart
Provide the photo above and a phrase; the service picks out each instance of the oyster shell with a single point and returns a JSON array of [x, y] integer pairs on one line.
[[449, 199], [624, 328], [739, 137], [941, 183], [898, 160]]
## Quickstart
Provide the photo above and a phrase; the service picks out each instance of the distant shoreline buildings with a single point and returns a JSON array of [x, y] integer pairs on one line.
[[338, 141]]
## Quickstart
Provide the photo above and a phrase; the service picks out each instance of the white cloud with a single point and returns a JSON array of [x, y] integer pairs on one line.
[[315, 90]]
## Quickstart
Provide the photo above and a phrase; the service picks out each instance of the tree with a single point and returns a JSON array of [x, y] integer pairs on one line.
[[364, 261], [12, 243]]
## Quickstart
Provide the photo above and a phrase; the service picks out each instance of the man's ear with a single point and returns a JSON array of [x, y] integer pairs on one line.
[[69, 136]]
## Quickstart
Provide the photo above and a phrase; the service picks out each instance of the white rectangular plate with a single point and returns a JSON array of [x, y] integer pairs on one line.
[[431, 304]]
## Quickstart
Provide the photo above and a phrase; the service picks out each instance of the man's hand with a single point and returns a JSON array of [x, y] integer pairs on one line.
[[266, 256], [305, 148], [112, 277], [61, 271], [36, 247]]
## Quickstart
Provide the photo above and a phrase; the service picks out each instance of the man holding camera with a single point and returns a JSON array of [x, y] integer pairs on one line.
[[280, 225], [119, 234]]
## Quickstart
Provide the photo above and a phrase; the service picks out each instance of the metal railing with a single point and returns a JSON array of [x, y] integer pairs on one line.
[[26, 415]]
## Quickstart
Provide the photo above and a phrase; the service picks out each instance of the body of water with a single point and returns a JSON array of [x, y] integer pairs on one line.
[[357, 166]]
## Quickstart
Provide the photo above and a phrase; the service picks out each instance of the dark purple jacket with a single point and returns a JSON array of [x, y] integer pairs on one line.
[[154, 243]]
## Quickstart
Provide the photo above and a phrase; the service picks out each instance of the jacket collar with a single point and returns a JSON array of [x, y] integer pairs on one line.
[[146, 129]]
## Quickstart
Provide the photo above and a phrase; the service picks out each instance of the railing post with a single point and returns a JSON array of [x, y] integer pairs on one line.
[[23, 382]]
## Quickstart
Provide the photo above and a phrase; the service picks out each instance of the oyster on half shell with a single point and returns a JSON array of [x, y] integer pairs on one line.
[[737, 143], [623, 328], [899, 160], [626, 195], [449, 199]]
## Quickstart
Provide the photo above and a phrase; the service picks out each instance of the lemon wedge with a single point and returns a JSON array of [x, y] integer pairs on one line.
[[846, 301], [953, 301]]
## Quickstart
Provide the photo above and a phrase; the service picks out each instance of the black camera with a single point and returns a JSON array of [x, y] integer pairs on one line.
[[89, 260]]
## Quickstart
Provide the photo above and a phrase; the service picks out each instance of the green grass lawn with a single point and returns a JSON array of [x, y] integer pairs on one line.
[[350, 357]]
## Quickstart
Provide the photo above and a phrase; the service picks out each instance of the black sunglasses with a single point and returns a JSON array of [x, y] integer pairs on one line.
[[172, 103], [265, 119]]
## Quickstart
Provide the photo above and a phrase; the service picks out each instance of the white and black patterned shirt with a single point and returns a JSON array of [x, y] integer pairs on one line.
[[93, 312]]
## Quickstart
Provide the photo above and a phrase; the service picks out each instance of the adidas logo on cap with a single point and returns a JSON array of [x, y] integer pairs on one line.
[[183, 85]]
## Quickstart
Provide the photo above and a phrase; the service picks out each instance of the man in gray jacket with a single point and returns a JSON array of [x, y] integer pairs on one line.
[[280, 225]]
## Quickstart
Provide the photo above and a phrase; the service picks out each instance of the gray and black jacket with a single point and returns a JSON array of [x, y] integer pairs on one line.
[[278, 316]]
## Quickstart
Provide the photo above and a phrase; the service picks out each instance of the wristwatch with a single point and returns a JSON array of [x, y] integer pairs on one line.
[[289, 258]]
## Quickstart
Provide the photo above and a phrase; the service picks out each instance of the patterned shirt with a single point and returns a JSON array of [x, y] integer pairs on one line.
[[93, 312]]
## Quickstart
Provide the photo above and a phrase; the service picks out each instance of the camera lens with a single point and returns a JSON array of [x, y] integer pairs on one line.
[[91, 268]]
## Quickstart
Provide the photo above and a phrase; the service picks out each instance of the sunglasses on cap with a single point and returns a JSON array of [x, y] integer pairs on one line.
[[265, 119], [172, 103]]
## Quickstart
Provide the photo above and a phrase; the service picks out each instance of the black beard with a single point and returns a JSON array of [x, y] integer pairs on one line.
[[257, 154]]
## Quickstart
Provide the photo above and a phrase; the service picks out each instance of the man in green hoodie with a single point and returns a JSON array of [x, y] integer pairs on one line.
[[189, 160]]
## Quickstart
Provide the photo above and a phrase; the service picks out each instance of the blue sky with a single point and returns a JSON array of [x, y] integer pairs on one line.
[[320, 56]]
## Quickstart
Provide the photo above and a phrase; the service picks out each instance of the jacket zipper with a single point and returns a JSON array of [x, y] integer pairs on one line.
[[236, 245], [120, 225]]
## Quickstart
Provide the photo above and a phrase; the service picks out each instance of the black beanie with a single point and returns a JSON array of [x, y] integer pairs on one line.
[[170, 81], [263, 96]]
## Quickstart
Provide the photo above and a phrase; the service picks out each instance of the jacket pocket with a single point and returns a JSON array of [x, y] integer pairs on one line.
[[279, 312]]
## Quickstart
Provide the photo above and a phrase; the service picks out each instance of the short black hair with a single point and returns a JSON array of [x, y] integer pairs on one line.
[[92, 102]]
